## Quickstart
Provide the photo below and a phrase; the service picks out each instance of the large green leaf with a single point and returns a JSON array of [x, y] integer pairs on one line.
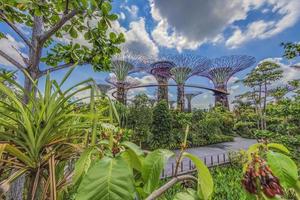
[[205, 181], [107, 179], [82, 165], [138, 151], [190, 194], [284, 168], [133, 159], [152, 168], [278, 147]]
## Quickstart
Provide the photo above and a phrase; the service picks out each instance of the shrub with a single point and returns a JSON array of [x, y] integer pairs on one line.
[[161, 126], [140, 118]]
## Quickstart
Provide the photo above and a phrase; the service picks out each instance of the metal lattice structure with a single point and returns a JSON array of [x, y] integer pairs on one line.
[[222, 69], [189, 97], [123, 65], [104, 88], [122, 87], [186, 66], [160, 69]]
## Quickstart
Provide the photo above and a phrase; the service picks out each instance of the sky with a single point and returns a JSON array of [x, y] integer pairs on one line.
[[210, 28]]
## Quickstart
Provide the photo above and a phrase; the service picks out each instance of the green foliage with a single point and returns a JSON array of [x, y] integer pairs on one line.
[[140, 118], [152, 168], [66, 20], [161, 126], [291, 50], [205, 182], [36, 134], [228, 184], [108, 178]]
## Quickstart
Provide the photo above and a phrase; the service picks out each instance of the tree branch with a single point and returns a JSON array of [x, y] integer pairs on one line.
[[58, 25], [53, 69], [157, 193], [25, 39], [12, 61]]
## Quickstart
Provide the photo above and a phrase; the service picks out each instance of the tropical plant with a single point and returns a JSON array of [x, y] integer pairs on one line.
[[269, 171], [40, 139], [121, 170]]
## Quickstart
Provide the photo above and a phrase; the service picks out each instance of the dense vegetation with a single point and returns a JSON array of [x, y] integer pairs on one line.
[[54, 145]]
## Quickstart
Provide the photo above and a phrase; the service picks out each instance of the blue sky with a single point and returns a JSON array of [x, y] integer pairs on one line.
[[210, 28]]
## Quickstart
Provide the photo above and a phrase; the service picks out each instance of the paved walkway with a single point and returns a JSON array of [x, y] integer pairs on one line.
[[212, 153]]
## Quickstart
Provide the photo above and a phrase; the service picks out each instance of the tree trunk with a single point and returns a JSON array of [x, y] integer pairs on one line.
[[260, 109], [121, 93], [265, 106], [180, 98], [162, 93]]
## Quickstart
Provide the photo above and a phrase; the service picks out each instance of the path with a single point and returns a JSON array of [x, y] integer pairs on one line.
[[211, 154]]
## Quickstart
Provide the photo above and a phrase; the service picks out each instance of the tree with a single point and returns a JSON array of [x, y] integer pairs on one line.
[[262, 76], [161, 126], [292, 50], [64, 19], [140, 118]]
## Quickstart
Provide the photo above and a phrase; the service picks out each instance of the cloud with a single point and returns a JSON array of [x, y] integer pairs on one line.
[[183, 25], [12, 48], [289, 11], [138, 40], [121, 16], [254, 30], [133, 10]]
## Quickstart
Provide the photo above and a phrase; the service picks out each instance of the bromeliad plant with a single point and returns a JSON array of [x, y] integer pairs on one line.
[[41, 138], [269, 171], [118, 169]]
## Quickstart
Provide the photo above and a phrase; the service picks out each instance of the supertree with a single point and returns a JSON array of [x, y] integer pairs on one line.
[[122, 87], [189, 97], [160, 69], [122, 65], [222, 69], [186, 66]]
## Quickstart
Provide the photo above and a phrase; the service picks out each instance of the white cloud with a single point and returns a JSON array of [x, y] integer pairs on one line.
[[289, 10], [12, 48], [122, 16], [184, 25], [133, 10], [254, 30], [138, 40]]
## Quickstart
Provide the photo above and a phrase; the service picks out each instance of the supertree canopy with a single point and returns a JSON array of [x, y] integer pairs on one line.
[[222, 69], [160, 69], [189, 97], [186, 66], [104, 88], [122, 87], [122, 65]]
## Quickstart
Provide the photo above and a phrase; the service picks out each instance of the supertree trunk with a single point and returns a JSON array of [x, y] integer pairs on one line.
[[121, 93], [162, 89], [221, 98], [180, 97], [189, 102]]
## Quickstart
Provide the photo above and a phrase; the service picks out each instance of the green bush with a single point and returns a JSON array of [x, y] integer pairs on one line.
[[161, 128], [140, 119]]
